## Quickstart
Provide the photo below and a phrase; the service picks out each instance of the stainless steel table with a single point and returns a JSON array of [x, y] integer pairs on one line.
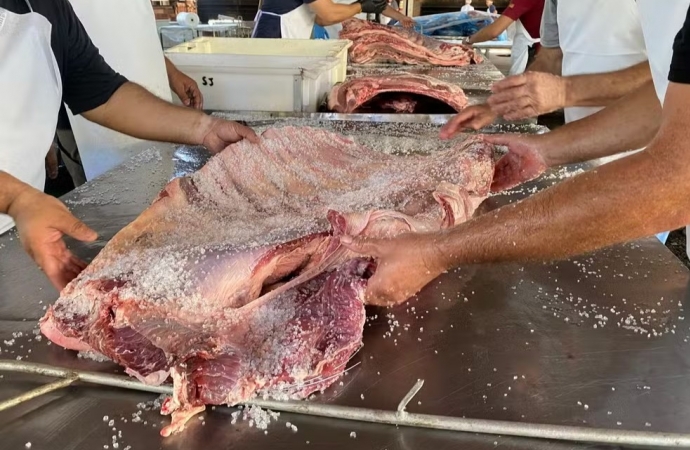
[[545, 343]]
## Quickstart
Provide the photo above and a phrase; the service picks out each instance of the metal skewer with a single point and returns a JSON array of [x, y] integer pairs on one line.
[[493, 427]]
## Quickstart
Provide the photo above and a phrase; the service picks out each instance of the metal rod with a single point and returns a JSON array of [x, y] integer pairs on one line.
[[54, 386], [102, 379], [406, 399], [493, 427]]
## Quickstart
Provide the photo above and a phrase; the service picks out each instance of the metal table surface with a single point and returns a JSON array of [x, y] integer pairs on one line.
[[541, 343]]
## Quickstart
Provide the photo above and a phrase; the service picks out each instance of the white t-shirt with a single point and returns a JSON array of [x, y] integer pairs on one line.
[[467, 8]]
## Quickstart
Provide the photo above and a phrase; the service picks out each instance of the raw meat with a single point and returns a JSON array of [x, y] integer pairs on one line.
[[234, 282], [376, 43], [399, 93]]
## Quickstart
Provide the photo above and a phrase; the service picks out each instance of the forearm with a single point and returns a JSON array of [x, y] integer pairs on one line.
[[487, 33], [11, 189], [628, 124], [338, 13], [630, 198], [134, 111], [548, 60], [170, 68], [394, 14], [603, 89]]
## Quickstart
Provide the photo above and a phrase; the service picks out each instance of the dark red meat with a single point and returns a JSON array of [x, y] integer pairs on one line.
[[376, 43]]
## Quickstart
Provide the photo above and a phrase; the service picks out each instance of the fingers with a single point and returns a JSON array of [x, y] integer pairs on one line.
[[514, 104], [363, 246], [385, 293], [509, 83], [60, 268], [71, 226], [506, 96], [247, 133], [196, 95], [198, 99], [521, 109], [466, 118], [184, 96]]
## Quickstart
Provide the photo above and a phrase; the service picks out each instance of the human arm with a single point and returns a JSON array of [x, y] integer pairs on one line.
[[134, 111], [473, 117], [627, 124], [491, 31], [406, 22], [532, 94], [329, 13], [183, 86], [632, 197], [41, 222], [93, 89]]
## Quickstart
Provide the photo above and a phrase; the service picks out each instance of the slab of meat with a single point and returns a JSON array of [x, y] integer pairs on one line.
[[396, 93], [376, 43], [234, 282]]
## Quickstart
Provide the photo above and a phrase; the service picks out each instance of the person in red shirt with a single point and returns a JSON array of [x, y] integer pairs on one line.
[[526, 14]]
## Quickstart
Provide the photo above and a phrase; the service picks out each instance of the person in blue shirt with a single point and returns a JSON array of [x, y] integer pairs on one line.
[[490, 7], [295, 19]]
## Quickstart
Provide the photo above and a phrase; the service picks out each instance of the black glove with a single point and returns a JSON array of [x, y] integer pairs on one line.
[[373, 6]]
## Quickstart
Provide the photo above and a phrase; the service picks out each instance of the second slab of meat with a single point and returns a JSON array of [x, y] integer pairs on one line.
[[399, 93], [234, 283], [376, 43]]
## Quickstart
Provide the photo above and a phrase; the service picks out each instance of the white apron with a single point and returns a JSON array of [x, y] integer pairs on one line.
[[32, 95], [598, 37], [296, 24], [661, 22], [135, 52], [522, 41]]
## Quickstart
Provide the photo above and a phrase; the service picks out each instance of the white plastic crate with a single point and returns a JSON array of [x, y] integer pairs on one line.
[[262, 74]]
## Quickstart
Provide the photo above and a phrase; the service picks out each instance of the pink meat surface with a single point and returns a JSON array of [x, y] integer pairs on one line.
[[361, 93], [233, 282], [376, 43]]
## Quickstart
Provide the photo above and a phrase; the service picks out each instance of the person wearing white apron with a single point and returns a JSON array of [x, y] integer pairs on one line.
[[617, 203], [660, 26], [598, 37], [28, 65], [48, 58], [295, 19], [135, 52], [520, 52], [27, 128], [525, 15]]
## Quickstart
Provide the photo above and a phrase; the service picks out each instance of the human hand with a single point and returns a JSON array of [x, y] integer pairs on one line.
[[373, 6], [404, 265], [528, 95], [52, 167], [219, 133], [186, 89], [524, 161], [41, 222], [473, 117], [407, 22]]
